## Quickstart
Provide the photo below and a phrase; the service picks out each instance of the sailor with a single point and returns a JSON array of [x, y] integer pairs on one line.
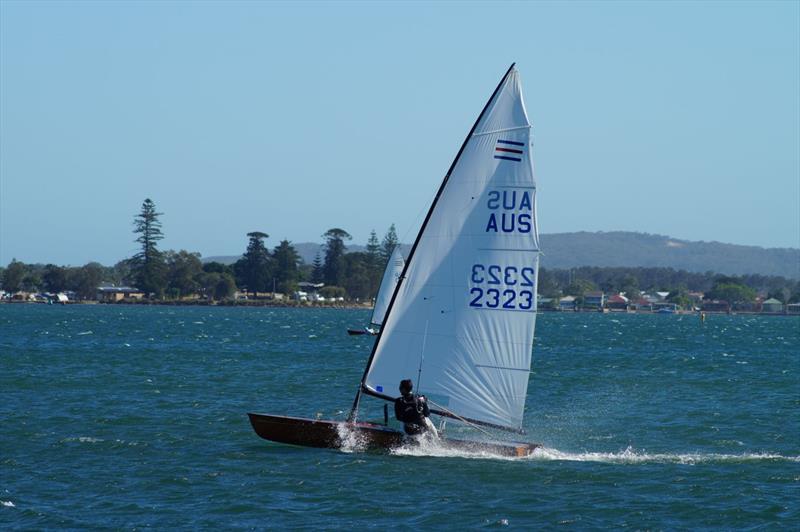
[[413, 410]]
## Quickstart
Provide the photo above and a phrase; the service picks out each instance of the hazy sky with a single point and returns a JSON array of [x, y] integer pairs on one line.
[[680, 119]]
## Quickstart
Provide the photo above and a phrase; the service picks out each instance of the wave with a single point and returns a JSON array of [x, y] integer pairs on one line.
[[82, 439]]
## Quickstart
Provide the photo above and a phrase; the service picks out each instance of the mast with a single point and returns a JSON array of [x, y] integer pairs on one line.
[[362, 387]]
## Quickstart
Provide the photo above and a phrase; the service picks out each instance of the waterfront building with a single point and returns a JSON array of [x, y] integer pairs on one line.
[[772, 305], [112, 294], [594, 300]]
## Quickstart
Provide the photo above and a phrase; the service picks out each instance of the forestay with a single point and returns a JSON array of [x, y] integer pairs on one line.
[[462, 321], [390, 277]]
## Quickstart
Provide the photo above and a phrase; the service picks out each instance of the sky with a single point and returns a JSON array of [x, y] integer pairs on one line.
[[675, 118]]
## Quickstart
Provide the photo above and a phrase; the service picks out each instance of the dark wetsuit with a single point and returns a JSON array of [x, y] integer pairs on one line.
[[412, 411]]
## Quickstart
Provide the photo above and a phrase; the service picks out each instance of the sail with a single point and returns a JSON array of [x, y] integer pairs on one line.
[[461, 323], [390, 277]]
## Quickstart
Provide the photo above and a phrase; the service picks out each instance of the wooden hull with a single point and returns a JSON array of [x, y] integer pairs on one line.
[[331, 434]]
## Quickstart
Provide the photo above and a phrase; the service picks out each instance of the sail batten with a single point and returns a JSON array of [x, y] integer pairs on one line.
[[499, 131], [467, 298]]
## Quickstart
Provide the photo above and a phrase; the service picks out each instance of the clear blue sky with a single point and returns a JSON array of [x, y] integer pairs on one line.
[[680, 119]]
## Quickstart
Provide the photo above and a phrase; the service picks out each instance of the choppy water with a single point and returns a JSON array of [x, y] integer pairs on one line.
[[132, 417]]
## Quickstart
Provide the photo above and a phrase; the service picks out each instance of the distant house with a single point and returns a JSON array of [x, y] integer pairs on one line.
[[793, 308], [715, 306], [112, 294], [640, 304], [594, 300], [665, 306], [772, 305], [650, 298], [618, 302], [545, 303], [566, 303]]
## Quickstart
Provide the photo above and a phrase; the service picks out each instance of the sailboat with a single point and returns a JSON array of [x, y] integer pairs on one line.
[[394, 268], [461, 319]]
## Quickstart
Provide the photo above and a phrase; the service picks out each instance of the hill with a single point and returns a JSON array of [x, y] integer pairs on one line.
[[623, 248], [620, 248]]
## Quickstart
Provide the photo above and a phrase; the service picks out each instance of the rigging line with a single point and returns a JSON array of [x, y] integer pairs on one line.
[[473, 425], [417, 218], [422, 356]]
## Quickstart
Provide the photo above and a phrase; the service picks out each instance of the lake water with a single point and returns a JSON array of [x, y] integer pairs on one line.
[[133, 417]]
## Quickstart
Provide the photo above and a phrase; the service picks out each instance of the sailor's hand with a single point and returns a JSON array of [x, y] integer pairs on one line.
[[423, 398]]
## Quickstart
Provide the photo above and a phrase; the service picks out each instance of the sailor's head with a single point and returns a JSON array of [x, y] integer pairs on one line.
[[406, 386]]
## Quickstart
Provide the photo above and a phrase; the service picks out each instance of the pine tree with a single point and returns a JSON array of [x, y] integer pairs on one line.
[[334, 251], [254, 269], [286, 271], [389, 243], [317, 273], [374, 263], [148, 266]]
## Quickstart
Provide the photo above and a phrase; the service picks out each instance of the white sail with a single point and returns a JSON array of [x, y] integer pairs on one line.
[[461, 324], [390, 277]]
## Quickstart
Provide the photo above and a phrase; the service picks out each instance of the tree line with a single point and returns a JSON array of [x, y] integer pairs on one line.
[[180, 274], [355, 275]]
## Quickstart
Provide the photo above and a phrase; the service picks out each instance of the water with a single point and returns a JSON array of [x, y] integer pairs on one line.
[[132, 417]]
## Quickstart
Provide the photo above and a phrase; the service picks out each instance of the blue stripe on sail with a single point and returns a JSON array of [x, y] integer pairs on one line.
[[507, 158], [511, 142]]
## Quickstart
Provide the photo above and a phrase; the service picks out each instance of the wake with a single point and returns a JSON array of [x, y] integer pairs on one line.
[[435, 448], [631, 456]]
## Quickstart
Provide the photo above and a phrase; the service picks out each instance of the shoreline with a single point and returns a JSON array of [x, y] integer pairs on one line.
[[362, 306]]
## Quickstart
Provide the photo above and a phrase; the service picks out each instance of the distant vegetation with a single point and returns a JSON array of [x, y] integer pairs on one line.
[[629, 249], [356, 275]]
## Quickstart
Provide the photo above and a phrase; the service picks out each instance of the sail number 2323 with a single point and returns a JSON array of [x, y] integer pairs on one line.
[[502, 287]]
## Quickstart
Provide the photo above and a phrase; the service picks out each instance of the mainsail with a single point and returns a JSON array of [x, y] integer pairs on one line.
[[390, 277], [461, 320]]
